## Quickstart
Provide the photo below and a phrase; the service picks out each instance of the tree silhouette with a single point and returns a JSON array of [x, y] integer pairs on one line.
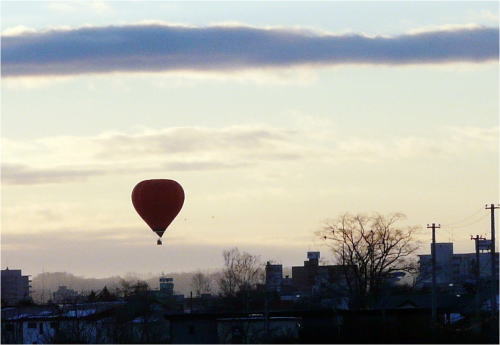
[[201, 284], [92, 296], [105, 295], [242, 271], [373, 247]]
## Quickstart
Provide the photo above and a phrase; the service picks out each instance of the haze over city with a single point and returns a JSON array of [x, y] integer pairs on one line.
[[266, 146]]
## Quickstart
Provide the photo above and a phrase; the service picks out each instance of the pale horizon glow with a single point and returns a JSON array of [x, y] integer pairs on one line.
[[273, 118]]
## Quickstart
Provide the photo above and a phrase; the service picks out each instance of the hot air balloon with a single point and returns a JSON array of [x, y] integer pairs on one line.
[[158, 202]]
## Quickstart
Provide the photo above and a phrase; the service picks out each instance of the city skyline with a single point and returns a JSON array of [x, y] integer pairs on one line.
[[266, 147]]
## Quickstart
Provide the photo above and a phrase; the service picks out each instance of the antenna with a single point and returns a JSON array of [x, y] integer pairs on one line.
[[42, 297]]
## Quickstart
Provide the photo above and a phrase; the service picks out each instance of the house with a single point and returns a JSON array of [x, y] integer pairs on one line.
[[18, 323], [198, 328], [45, 324], [277, 326]]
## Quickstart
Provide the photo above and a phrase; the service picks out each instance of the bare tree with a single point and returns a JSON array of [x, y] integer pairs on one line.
[[242, 271], [373, 247], [201, 284], [128, 289]]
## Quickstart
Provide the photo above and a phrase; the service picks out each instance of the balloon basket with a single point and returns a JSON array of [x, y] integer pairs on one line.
[[158, 242]]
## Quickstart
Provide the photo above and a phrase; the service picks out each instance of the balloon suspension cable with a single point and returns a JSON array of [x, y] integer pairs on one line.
[[158, 242]]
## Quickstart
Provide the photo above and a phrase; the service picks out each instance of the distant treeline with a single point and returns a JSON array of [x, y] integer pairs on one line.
[[44, 284]]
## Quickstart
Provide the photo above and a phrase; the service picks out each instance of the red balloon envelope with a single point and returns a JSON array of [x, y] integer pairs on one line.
[[158, 202]]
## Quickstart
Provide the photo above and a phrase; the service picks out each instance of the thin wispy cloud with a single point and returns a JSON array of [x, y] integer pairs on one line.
[[203, 165], [152, 48], [197, 149], [26, 175], [113, 245], [455, 142], [173, 149], [189, 140], [70, 7], [174, 144], [22, 174]]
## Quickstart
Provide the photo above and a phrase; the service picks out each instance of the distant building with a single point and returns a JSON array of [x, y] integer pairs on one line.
[[454, 268], [166, 294], [310, 279], [167, 286], [15, 286], [274, 277], [64, 295]]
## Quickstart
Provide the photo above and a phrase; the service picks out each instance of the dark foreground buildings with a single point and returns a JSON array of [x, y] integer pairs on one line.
[[308, 281], [310, 306], [121, 322]]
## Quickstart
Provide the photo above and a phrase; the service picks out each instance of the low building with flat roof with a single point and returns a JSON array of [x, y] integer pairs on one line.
[[454, 268]]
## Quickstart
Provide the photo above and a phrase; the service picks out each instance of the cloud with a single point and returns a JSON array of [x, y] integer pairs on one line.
[[451, 142], [198, 149], [444, 28], [17, 31], [200, 165], [69, 7], [173, 141], [171, 149], [153, 48], [486, 15], [65, 235], [25, 175], [478, 135], [125, 250], [132, 236], [19, 174]]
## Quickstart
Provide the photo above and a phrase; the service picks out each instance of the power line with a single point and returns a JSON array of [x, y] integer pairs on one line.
[[469, 223], [461, 220], [450, 233], [449, 229]]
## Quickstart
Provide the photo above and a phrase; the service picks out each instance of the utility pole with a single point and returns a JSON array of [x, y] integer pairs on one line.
[[477, 272], [494, 308], [266, 316], [191, 302], [433, 255]]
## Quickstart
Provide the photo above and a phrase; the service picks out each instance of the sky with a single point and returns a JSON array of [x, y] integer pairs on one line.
[[274, 117]]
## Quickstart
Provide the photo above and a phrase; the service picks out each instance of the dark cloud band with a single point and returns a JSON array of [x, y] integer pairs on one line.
[[164, 48]]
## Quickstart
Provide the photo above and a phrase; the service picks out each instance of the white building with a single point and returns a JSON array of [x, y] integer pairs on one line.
[[87, 323], [454, 268], [167, 286]]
